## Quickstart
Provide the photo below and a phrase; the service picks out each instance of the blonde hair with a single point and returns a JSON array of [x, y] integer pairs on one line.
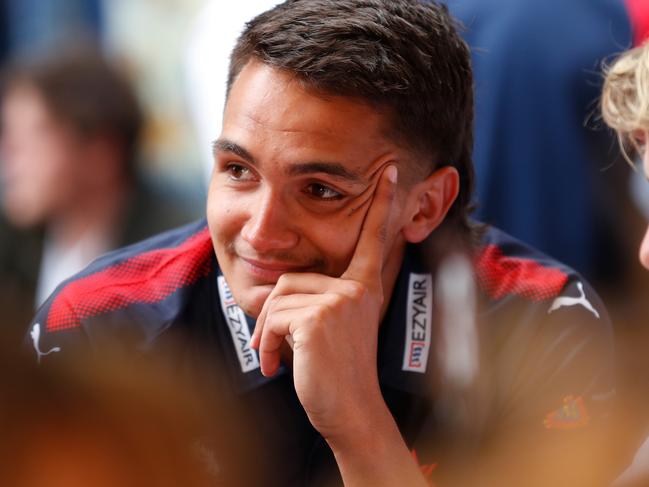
[[625, 97]]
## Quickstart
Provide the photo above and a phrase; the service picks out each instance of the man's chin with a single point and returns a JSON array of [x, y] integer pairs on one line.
[[253, 300]]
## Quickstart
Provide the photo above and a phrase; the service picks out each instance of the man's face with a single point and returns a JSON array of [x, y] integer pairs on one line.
[[294, 175], [40, 160]]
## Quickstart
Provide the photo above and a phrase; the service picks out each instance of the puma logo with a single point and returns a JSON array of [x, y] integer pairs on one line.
[[570, 301], [36, 337]]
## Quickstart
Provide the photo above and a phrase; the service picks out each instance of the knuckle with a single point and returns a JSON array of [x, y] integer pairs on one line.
[[276, 299], [269, 324], [356, 290], [334, 301], [316, 314], [273, 321], [272, 305]]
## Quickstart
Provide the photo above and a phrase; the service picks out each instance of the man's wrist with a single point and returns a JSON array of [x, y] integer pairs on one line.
[[369, 426], [374, 453]]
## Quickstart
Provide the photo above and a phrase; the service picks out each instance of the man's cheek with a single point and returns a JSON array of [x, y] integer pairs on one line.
[[339, 243], [223, 212]]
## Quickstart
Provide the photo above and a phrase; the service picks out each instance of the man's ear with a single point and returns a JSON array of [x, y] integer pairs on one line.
[[428, 203]]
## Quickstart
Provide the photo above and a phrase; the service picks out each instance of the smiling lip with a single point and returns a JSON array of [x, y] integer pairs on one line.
[[270, 271]]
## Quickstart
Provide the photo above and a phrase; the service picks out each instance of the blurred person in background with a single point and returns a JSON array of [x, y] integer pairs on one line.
[[69, 183], [625, 108], [542, 173], [639, 15], [342, 180]]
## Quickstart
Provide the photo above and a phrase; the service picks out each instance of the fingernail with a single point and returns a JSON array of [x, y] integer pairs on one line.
[[392, 174]]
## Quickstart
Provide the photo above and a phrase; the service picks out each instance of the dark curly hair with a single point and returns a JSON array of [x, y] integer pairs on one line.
[[403, 57]]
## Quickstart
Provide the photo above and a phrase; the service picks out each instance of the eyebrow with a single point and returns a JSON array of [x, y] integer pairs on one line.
[[334, 169], [318, 167], [224, 145]]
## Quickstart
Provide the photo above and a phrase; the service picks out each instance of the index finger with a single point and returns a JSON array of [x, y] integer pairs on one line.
[[367, 262]]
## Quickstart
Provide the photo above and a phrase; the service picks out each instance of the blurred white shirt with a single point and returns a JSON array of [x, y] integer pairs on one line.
[[59, 262]]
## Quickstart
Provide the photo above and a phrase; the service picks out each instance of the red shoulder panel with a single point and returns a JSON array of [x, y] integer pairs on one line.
[[500, 275], [146, 278]]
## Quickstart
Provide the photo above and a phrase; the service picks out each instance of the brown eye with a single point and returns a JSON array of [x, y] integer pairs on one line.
[[237, 172], [322, 192]]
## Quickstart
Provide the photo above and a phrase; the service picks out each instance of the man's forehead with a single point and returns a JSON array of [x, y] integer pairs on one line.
[[276, 99], [270, 113]]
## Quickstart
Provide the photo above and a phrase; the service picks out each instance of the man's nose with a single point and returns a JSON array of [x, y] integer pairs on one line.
[[644, 250], [270, 227]]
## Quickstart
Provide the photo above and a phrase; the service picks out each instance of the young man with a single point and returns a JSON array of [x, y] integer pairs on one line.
[[342, 176]]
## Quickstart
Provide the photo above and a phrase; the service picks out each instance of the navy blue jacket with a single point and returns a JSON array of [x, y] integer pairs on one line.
[[545, 348]]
